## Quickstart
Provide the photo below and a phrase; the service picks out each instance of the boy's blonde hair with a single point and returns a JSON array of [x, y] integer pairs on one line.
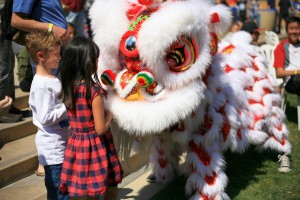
[[40, 41]]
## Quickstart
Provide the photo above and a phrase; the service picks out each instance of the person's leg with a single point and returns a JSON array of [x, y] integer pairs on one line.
[[7, 86], [7, 63], [111, 193], [52, 181]]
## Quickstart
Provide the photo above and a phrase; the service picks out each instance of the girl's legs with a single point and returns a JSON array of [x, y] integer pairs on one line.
[[111, 193], [85, 198]]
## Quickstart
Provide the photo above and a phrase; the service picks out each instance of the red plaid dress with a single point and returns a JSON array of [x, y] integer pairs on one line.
[[91, 162]]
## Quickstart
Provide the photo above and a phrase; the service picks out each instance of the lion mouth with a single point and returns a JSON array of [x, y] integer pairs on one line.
[[136, 86]]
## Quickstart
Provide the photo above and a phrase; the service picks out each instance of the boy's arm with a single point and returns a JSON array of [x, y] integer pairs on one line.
[[47, 112]]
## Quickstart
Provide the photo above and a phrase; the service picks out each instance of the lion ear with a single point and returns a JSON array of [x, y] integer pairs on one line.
[[220, 19]]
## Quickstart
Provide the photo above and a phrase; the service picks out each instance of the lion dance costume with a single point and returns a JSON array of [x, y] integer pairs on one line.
[[170, 77]]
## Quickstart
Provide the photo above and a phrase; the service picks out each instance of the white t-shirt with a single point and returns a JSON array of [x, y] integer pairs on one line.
[[50, 116]]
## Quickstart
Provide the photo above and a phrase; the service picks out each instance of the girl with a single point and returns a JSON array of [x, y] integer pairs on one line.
[[91, 163]]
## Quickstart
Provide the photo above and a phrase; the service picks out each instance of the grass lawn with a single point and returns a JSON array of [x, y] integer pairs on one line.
[[254, 175]]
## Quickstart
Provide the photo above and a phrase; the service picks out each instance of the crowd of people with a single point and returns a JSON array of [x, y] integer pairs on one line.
[[250, 10], [56, 35]]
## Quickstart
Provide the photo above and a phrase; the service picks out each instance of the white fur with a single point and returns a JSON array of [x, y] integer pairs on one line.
[[181, 17], [164, 113], [109, 23]]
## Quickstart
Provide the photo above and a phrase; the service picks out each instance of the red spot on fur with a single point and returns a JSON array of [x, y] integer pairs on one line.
[[267, 90], [162, 162], [207, 122], [207, 74], [250, 88], [203, 196], [211, 180], [255, 67], [239, 134], [201, 153], [281, 142], [214, 18], [222, 110], [225, 130], [228, 69], [251, 101]]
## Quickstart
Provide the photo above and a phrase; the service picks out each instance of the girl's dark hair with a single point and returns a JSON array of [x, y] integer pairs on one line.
[[79, 64]]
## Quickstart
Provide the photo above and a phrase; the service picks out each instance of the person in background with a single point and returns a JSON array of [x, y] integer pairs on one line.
[[252, 28], [243, 10], [24, 72], [235, 27], [49, 113], [284, 6], [287, 52], [296, 8], [74, 11], [253, 11], [271, 4], [91, 166], [71, 30], [45, 15], [7, 85], [287, 66]]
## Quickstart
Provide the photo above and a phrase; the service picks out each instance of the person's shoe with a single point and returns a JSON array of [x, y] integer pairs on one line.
[[151, 178], [10, 118], [24, 113], [285, 165]]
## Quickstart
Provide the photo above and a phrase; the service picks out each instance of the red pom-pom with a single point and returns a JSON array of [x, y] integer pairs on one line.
[[145, 2], [108, 77], [215, 18]]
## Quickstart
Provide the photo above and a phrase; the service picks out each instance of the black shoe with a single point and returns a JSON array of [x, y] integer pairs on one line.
[[151, 178], [24, 113], [10, 118]]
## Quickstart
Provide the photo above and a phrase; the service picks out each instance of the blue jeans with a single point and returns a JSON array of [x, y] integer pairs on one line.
[[52, 181]]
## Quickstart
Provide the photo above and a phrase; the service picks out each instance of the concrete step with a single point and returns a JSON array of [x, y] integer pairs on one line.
[[18, 160], [13, 131], [21, 100], [134, 186], [29, 188]]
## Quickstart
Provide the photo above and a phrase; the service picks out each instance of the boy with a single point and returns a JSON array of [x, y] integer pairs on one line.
[[49, 113]]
